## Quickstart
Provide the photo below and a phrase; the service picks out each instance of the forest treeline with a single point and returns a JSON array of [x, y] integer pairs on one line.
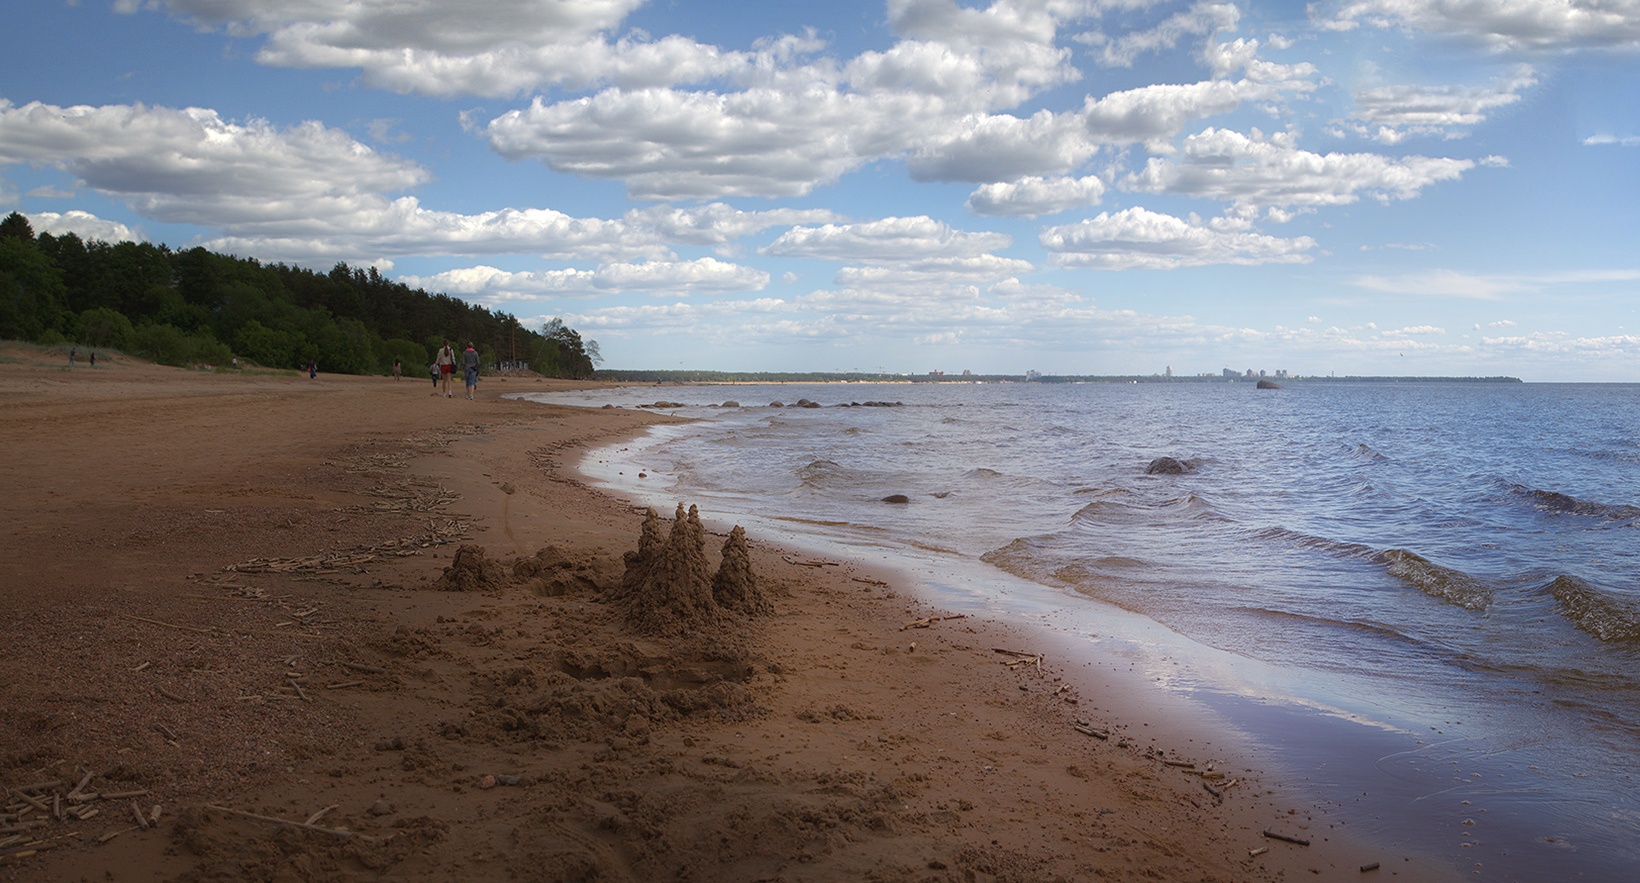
[[199, 307]]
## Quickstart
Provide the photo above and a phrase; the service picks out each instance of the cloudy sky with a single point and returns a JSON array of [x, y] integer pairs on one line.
[[1069, 186]]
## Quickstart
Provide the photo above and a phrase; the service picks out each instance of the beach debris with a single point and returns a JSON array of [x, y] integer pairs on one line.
[[1020, 659], [1285, 838], [869, 582], [927, 621], [29, 808], [437, 534], [1255, 853], [1369, 866], [813, 562], [305, 826]]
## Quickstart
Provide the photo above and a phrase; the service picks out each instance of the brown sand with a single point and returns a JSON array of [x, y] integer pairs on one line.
[[229, 590]]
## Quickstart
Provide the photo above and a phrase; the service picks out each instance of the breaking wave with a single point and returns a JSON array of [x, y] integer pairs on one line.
[[1445, 583], [1595, 612]]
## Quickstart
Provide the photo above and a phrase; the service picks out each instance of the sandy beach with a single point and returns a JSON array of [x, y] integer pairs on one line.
[[236, 645]]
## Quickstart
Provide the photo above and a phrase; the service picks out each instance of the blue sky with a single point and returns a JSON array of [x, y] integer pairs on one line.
[[1373, 187]]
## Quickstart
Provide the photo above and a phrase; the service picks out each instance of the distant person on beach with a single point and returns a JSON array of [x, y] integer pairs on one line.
[[70, 357], [313, 370], [469, 366], [396, 369], [93, 358], [446, 362], [433, 370]]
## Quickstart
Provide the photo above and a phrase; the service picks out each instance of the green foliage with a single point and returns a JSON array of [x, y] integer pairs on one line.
[[349, 320], [165, 344], [413, 357], [105, 329], [31, 290]]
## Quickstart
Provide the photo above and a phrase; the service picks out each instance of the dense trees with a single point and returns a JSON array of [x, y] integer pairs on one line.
[[178, 307]]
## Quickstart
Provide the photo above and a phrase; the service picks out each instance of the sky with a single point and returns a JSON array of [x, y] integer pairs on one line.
[[1407, 187]]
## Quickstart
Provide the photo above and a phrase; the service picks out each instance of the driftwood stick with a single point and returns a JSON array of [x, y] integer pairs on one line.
[[1285, 838], [37, 786], [142, 820], [368, 669], [84, 780], [123, 795], [299, 691], [35, 802], [347, 684], [169, 695], [170, 625], [334, 832], [112, 834], [320, 814]]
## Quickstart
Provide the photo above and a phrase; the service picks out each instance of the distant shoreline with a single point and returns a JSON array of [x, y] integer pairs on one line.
[[728, 378]]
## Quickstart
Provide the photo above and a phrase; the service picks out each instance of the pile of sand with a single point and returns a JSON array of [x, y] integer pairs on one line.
[[669, 587]]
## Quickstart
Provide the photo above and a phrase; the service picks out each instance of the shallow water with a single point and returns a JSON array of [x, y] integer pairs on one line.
[[1449, 572]]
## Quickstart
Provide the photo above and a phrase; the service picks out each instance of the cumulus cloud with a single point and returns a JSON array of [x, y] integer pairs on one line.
[[478, 47], [85, 225], [1392, 113], [1136, 238], [1123, 50], [1519, 25], [653, 277], [1264, 171], [718, 223], [1034, 196], [304, 193], [1612, 140], [885, 241]]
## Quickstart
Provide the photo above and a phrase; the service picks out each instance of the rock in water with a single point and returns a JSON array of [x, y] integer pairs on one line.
[[1168, 466]]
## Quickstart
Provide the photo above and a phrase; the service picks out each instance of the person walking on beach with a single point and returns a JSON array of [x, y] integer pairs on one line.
[[397, 369], [446, 362], [313, 370], [70, 357], [469, 366]]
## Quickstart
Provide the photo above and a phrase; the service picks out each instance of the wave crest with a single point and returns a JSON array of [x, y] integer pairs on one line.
[[1595, 612], [1445, 583]]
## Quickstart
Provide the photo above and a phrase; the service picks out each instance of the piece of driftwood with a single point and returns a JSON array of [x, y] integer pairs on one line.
[[170, 625], [367, 669], [125, 795], [1255, 853], [169, 695], [1369, 866], [142, 820], [112, 834], [344, 685], [1285, 838], [317, 829], [320, 814], [1101, 735]]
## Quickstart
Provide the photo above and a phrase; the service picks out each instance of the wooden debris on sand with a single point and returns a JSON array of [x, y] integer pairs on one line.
[[927, 621], [437, 534]]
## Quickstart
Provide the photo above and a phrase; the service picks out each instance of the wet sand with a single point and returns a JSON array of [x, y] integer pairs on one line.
[[228, 603]]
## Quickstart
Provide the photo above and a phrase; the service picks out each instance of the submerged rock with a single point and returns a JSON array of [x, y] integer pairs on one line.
[[1168, 466]]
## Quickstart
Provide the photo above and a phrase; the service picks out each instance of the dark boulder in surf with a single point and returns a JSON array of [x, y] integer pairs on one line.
[[1268, 384], [1168, 466], [896, 498]]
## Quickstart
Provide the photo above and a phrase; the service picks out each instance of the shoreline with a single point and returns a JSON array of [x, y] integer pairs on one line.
[[843, 750]]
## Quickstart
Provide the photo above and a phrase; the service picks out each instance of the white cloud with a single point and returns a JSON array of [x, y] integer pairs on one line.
[[1392, 113], [85, 225], [1033, 196], [1136, 238], [301, 193], [654, 277], [1451, 283], [884, 241], [1259, 171], [1198, 20], [718, 223], [1612, 140], [1516, 25]]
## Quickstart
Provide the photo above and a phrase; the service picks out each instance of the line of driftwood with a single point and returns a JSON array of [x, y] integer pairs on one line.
[[437, 534]]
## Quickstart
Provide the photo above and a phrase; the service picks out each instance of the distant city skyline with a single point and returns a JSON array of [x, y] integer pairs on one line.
[[1364, 187]]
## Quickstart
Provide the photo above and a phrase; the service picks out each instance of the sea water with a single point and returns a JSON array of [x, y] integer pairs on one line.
[[1445, 576]]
